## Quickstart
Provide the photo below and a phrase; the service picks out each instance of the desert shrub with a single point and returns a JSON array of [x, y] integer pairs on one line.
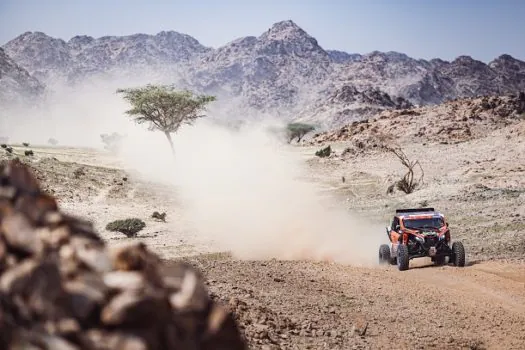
[[159, 216], [129, 227], [324, 152], [9, 149], [79, 172], [3, 145], [26, 144], [113, 141], [359, 144], [346, 151], [52, 141], [29, 153]]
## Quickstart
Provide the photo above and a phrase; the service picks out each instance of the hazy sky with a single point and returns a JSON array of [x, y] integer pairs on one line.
[[482, 29]]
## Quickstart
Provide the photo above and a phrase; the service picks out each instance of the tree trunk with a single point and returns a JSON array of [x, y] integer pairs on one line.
[[168, 136]]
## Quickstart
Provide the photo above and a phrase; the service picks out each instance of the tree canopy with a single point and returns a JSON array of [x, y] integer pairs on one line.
[[164, 108], [298, 130]]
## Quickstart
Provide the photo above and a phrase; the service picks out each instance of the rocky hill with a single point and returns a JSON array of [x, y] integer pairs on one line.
[[451, 122], [284, 71], [348, 103], [15, 82]]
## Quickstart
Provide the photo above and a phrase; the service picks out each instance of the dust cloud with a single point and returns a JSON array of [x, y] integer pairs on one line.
[[242, 188], [249, 193]]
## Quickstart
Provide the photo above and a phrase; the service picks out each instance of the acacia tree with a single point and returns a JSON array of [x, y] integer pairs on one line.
[[298, 130], [164, 108]]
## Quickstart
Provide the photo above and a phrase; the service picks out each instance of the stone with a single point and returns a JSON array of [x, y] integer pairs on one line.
[[62, 288]]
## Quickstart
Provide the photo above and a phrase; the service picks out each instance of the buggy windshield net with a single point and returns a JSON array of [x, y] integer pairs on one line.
[[423, 223]]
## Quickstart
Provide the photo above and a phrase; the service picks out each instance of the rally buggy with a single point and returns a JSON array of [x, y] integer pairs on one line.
[[417, 233]]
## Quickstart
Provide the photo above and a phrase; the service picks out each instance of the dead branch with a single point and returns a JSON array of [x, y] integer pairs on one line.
[[408, 183]]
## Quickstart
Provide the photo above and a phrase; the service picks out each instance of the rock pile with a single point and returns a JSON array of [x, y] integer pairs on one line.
[[62, 288]]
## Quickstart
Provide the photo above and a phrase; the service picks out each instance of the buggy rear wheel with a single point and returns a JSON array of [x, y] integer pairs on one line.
[[393, 260], [439, 260], [384, 254]]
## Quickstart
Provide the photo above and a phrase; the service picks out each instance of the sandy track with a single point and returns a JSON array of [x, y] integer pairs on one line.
[[476, 307]]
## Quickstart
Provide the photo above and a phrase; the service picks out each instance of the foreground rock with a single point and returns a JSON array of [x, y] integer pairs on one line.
[[62, 288]]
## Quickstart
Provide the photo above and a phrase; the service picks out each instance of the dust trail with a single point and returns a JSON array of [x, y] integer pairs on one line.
[[245, 190], [240, 187]]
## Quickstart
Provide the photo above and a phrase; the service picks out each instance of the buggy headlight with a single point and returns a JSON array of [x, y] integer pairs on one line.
[[421, 239]]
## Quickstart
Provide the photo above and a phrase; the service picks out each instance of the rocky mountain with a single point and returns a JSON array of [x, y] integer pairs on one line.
[[510, 71], [343, 57], [49, 58], [15, 82], [284, 71], [280, 69]]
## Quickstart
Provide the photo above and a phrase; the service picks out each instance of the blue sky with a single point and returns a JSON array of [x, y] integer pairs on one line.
[[482, 29]]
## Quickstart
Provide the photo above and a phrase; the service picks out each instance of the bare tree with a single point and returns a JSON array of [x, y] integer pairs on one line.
[[408, 183], [164, 108]]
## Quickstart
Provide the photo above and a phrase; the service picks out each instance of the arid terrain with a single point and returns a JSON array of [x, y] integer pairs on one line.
[[286, 238], [329, 292]]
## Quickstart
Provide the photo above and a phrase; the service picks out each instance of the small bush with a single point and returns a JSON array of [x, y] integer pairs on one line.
[[79, 172], [52, 142], [29, 153], [324, 152], [346, 151], [26, 144], [9, 150], [159, 216], [129, 227], [3, 145], [113, 141]]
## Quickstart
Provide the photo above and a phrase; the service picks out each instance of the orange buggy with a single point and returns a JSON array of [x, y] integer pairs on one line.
[[417, 233]]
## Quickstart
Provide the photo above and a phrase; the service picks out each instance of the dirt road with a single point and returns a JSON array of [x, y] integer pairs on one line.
[[300, 305], [316, 305]]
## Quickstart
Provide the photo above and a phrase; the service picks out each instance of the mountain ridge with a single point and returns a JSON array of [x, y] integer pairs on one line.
[[284, 70], [16, 84]]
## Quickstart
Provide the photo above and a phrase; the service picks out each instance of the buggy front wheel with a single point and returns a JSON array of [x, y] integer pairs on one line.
[[402, 257], [458, 254]]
